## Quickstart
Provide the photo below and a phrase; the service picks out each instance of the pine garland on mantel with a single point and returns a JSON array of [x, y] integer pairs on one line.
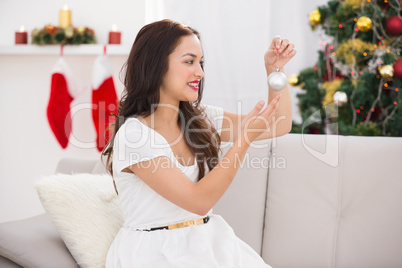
[[53, 35]]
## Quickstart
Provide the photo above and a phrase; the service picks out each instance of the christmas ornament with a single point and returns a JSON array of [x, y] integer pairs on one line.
[[398, 69], [376, 113], [330, 88], [394, 25], [81, 29], [315, 17], [104, 100], [63, 90], [69, 32], [277, 80], [387, 71], [354, 3], [293, 80], [364, 23], [340, 98], [50, 29]]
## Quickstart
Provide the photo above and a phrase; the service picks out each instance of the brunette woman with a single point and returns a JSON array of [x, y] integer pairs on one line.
[[165, 154]]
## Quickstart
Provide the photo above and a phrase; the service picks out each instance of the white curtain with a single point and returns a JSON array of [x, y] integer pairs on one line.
[[235, 36]]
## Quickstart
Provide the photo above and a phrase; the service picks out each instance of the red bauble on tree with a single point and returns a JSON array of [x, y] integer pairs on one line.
[[394, 25], [375, 113], [398, 69]]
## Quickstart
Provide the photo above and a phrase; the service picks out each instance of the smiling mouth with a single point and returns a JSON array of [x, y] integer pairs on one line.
[[193, 85]]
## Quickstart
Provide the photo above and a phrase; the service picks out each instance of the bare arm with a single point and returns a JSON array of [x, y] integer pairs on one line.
[[231, 124], [283, 121], [200, 197]]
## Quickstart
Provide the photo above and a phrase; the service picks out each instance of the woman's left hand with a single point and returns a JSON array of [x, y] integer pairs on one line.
[[284, 48]]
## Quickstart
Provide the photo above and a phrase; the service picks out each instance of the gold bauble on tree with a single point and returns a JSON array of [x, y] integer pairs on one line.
[[354, 3], [364, 23], [293, 80], [315, 17], [387, 71]]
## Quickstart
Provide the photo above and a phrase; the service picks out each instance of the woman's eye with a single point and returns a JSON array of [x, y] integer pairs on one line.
[[191, 62]]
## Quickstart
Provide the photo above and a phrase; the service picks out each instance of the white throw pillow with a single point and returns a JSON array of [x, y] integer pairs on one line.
[[85, 211]]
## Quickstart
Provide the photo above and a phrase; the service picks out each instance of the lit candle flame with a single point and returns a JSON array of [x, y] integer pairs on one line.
[[22, 29], [65, 7], [114, 28]]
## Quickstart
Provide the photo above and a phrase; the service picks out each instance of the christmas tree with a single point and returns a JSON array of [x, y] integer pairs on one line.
[[355, 87]]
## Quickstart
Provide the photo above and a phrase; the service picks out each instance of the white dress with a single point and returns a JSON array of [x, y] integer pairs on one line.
[[213, 244]]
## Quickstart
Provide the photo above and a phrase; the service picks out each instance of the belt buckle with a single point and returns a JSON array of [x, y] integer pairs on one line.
[[199, 221]]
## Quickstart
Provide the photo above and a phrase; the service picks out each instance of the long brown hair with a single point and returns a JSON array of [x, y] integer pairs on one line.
[[145, 68]]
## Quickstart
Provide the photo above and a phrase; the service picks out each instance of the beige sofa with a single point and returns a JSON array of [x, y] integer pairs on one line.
[[298, 200]]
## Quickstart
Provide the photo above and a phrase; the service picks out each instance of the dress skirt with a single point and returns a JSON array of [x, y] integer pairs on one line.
[[209, 245]]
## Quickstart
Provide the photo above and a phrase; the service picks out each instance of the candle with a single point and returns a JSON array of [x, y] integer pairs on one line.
[[114, 35], [64, 17], [21, 37]]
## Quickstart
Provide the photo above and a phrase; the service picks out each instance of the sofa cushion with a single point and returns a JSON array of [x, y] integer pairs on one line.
[[243, 204], [85, 211], [33, 242], [301, 215], [336, 203], [370, 222]]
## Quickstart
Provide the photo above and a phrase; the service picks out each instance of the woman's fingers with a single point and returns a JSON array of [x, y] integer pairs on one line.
[[257, 122], [257, 108], [269, 111], [292, 53], [271, 107], [276, 43], [284, 44], [288, 50]]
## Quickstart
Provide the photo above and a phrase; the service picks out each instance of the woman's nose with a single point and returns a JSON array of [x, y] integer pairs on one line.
[[199, 72]]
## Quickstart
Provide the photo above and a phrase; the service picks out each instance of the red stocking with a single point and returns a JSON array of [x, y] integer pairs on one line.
[[62, 92], [104, 100]]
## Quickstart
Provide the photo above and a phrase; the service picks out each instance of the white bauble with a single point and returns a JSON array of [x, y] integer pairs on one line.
[[277, 80], [340, 98]]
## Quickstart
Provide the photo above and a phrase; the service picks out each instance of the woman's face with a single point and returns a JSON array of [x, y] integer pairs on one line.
[[184, 72]]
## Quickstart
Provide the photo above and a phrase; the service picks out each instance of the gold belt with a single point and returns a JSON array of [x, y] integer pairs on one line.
[[180, 224]]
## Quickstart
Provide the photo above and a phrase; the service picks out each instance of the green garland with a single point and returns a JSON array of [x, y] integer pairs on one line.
[[52, 35]]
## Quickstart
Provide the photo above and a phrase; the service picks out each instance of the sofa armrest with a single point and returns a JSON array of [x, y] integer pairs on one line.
[[6, 263], [34, 242]]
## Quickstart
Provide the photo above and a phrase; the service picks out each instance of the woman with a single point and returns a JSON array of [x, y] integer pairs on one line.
[[164, 154]]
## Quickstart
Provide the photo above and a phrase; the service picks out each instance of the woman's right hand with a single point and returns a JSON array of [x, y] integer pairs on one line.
[[256, 123]]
